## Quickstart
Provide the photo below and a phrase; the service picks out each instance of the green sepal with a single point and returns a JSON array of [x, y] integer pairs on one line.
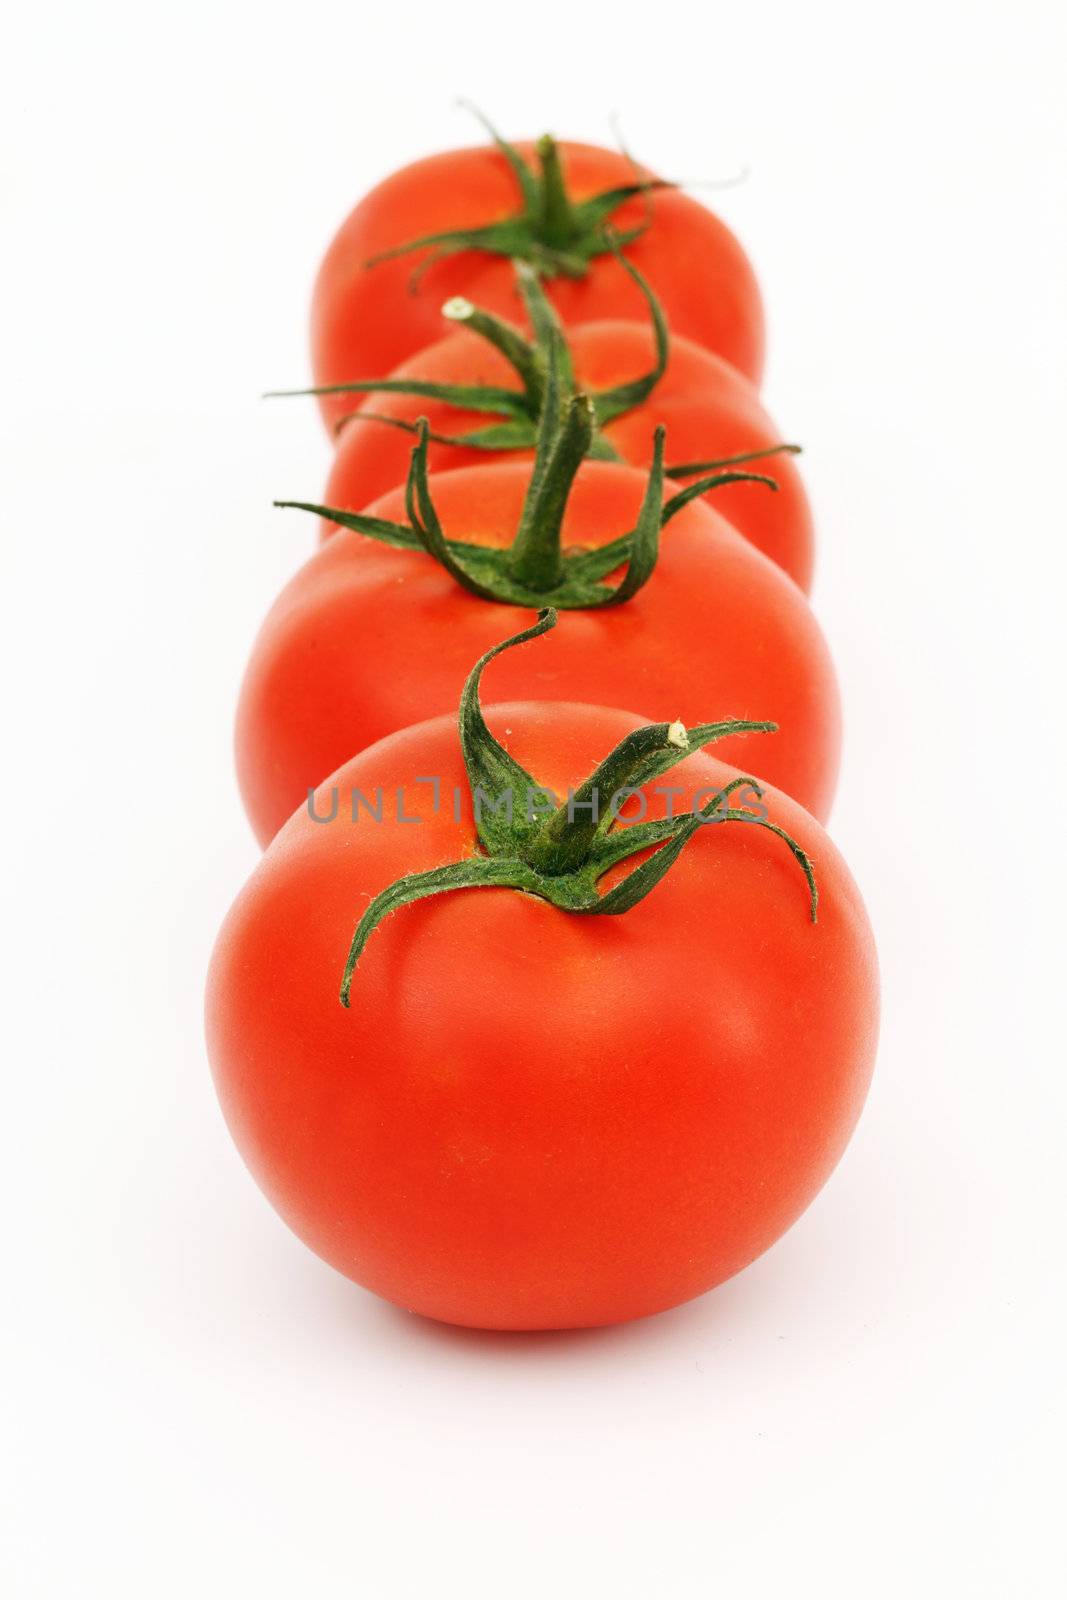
[[514, 435], [715, 480], [491, 771], [643, 552], [615, 845], [479, 872], [612, 403], [687, 468], [464, 396], [518, 434], [524, 176], [593, 212], [395, 534]]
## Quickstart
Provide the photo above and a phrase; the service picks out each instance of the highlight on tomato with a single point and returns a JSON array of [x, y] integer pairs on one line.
[[452, 224], [608, 1011], [482, 388], [376, 630]]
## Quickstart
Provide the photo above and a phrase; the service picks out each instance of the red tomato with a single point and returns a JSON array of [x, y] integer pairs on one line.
[[365, 640], [710, 411], [368, 318], [529, 1118]]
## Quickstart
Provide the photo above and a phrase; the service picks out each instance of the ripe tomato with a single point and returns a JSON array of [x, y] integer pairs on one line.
[[365, 639], [709, 409], [369, 313], [528, 1118]]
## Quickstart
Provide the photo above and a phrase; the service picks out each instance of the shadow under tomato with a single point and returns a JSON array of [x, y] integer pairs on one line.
[[709, 1313]]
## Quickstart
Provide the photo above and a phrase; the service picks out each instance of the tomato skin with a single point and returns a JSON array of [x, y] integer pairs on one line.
[[365, 320], [365, 640], [709, 409], [471, 1153]]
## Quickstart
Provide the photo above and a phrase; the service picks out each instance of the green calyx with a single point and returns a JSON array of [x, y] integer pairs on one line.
[[535, 569], [528, 840], [520, 409], [558, 235]]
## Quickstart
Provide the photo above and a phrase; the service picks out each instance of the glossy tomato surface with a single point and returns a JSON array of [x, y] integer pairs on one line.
[[367, 639], [710, 411], [532, 1119], [366, 319]]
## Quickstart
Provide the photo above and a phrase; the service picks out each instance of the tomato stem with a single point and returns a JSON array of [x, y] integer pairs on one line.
[[537, 553], [556, 224], [564, 843]]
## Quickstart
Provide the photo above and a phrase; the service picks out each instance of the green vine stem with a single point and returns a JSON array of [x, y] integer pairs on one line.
[[561, 857]]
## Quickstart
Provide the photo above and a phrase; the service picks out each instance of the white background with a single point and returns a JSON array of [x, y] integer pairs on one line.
[[197, 1406]]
